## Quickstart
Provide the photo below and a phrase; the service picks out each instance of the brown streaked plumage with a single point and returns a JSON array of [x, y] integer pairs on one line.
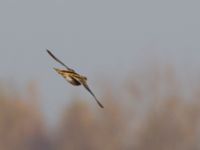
[[72, 77]]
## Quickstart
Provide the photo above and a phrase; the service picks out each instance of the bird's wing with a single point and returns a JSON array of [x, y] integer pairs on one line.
[[88, 89], [59, 61]]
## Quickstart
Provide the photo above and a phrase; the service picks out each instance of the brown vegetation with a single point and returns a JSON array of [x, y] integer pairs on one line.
[[153, 115]]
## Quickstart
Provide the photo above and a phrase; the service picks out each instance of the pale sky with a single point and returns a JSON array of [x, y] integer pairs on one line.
[[94, 37]]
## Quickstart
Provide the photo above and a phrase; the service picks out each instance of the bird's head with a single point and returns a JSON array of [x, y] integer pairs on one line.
[[58, 71]]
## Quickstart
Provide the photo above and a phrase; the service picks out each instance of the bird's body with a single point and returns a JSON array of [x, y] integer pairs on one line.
[[71, 77], [74, 78]]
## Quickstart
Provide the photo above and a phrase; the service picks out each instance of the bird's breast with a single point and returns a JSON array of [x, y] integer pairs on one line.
[[73, 81]]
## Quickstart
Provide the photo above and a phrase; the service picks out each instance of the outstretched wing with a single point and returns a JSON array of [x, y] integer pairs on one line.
[[88, 89], [55, 58]]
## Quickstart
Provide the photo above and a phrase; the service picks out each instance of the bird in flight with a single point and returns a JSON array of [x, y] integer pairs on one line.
[[72, 77]]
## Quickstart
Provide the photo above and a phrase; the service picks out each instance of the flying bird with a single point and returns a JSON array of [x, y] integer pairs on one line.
[[72, 77]]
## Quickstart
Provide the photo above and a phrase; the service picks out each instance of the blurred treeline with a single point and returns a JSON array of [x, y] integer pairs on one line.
[[149, 111]]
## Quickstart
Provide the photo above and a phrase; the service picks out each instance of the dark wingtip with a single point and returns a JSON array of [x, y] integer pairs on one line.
[[48, 51], [100, 104], [52, 55]]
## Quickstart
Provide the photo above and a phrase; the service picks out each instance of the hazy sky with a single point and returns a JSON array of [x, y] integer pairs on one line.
[[103, 37]]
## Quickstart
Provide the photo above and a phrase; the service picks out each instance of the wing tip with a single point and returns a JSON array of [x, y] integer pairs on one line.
[[48, 51], [100, 104]]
